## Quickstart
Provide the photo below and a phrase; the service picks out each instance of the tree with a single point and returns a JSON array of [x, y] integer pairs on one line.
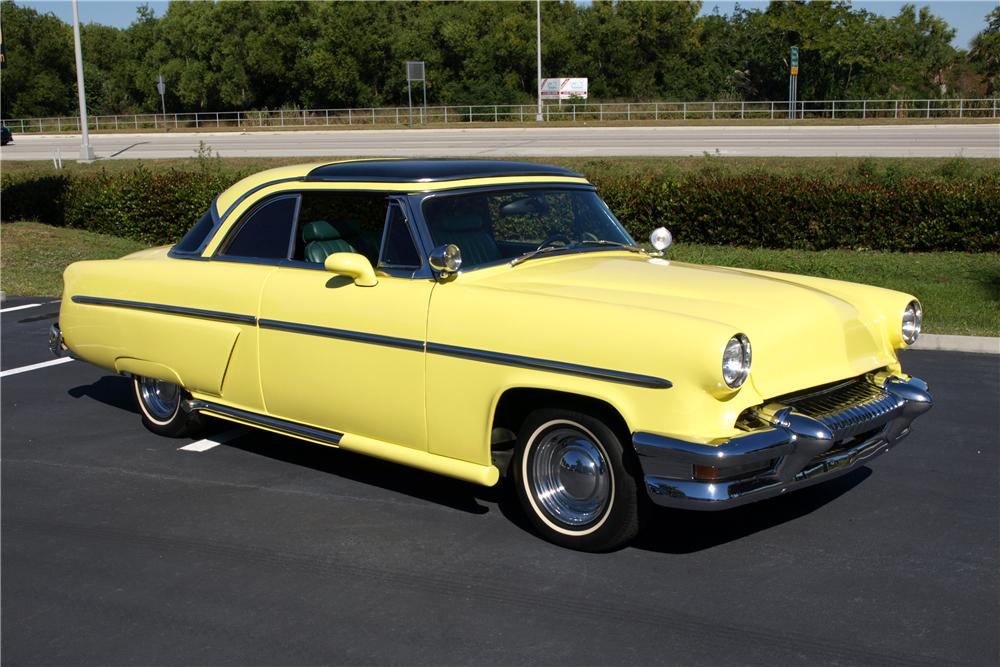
[[232, 55], [985, 51], [40, 79]]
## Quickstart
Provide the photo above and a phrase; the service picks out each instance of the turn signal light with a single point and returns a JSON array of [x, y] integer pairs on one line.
[[707, 473], [713, 474]]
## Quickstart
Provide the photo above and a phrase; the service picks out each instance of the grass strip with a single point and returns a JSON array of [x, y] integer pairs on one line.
[[960, 291], [34, 255]]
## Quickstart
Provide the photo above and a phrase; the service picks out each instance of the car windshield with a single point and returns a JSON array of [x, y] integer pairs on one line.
[[513, 224]]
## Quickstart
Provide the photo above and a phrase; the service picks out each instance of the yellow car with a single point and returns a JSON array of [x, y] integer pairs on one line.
[[486, 319]]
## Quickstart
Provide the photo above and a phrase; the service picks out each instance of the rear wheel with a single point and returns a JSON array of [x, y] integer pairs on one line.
[[163, 410], [572, 481]]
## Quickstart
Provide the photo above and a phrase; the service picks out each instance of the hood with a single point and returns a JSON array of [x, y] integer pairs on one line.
[[801, 335]]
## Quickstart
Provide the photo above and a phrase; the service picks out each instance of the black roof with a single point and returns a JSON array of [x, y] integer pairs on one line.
[[430, 170]]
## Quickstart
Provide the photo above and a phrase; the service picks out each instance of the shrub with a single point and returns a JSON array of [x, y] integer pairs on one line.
[[760, 210], [38, 197], [155, 207], [870, 208], [152, 207]]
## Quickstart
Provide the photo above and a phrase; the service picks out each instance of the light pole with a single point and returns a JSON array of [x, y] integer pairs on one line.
[[86, 150], [538, 45]]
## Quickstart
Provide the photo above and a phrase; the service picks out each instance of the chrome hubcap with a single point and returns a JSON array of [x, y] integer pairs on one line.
[[570, 477], [160, 398]]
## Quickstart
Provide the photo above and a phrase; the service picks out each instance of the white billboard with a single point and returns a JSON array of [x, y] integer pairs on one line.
[[563, 89]]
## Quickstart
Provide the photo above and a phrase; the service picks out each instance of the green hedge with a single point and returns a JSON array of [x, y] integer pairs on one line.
[[767, 211], [749, 210]]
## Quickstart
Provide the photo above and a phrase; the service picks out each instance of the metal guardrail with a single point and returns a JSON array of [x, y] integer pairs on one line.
[[575, 112]]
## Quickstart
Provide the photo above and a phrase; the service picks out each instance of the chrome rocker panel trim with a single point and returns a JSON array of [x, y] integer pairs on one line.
[[797, 442], [285, 427]]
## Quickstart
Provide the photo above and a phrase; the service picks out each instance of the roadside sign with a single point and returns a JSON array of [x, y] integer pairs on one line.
[[414, 70], [563, 88], [161, 85], [793, 83]]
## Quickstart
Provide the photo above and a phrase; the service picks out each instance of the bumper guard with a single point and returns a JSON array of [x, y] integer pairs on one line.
[[797, 450], [56, 344]]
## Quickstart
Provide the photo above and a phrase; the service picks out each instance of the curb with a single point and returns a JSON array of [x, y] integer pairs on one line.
[[946, 343]]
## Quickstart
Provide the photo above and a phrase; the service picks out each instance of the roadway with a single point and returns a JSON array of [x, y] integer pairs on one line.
[[121, 547], [974, 140]]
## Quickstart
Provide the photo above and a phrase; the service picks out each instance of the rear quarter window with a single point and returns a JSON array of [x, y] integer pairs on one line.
[[195, 237]]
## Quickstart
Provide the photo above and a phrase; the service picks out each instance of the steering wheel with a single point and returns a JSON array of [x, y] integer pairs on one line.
[[588, 236], [555, 238]]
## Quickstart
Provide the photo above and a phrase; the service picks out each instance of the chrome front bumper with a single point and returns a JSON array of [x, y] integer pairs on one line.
[[795, 450]]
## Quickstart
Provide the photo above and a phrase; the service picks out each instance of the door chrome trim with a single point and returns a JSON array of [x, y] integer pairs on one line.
[[168, 310], [287, 427], [647, 381], [343, 334]]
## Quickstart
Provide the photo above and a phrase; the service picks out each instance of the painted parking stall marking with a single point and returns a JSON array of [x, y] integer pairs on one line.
[[13, 308], [34, 367], [209, 443]]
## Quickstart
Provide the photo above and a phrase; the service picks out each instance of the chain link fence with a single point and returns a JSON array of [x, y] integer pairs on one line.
[[519, 113]]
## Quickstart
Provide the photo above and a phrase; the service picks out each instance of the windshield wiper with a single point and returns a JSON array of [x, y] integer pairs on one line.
[[537, 251], [623, 246], [598, 242]]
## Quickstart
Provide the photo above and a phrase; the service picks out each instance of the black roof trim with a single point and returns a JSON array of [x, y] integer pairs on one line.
[[431, 170]]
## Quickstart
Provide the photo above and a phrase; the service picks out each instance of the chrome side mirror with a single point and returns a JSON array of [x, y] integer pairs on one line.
[[445, 259], [661, 239]]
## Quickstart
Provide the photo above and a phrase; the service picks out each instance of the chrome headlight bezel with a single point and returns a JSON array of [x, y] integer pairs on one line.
[[737, 358], [912, 322]]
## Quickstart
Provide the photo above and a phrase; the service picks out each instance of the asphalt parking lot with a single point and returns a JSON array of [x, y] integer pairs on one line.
[[120, 548]]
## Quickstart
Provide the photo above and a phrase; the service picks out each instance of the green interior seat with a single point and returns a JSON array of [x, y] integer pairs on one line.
[[365, 240], [321, 240], [468, 232]]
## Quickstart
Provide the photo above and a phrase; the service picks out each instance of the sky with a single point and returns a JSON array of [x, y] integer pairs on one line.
[[967, 17]]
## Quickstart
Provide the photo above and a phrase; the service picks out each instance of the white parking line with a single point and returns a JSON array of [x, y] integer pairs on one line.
[[208, 443], [12, 308], [25, 369]]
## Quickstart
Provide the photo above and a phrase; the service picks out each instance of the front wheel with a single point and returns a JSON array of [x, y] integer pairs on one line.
[[572, 481], [163, 411]]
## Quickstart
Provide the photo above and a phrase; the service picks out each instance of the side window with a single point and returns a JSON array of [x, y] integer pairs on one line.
[[196, 235], [398, 249], [266, 233], [332, 221]]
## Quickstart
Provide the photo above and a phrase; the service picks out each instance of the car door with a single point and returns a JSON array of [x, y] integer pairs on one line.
[[338, 356]]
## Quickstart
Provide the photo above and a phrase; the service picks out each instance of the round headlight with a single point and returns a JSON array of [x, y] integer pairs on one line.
[[913, 319], [736, 361]]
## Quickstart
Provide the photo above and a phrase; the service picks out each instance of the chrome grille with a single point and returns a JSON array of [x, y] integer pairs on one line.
[[848, 409]]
